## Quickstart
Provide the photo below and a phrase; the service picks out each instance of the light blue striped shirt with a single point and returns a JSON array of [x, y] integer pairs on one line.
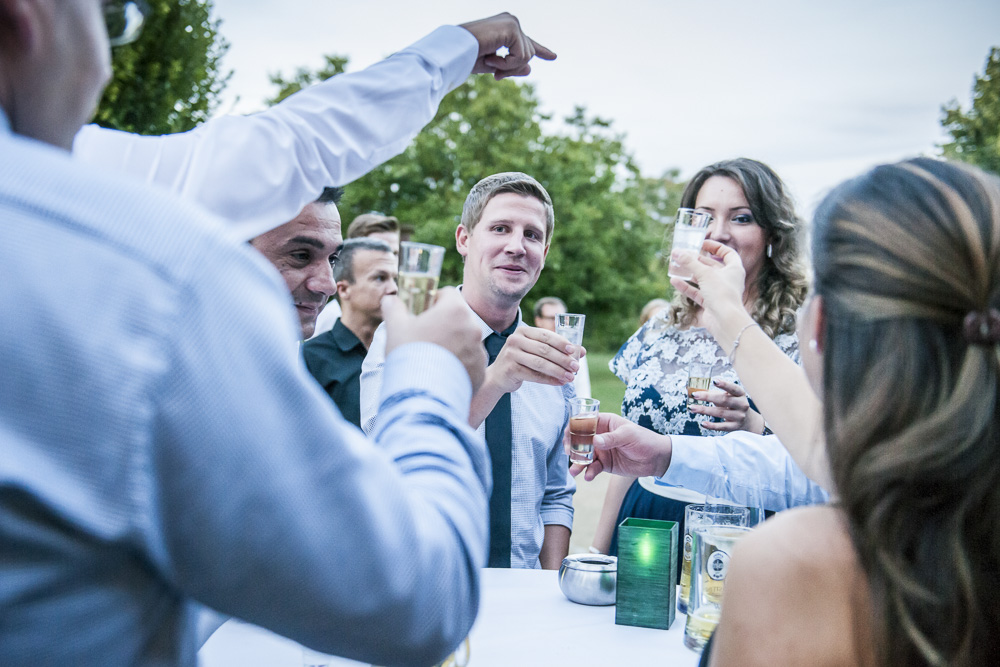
[[162, 442]]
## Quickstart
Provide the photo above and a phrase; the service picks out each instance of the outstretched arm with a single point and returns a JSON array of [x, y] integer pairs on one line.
[[778, 385], [258, 171]]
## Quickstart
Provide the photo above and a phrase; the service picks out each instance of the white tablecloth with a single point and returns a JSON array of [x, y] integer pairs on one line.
[[524, 619]]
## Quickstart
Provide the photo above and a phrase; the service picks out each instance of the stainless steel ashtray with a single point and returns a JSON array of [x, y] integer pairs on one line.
[[589, 578]]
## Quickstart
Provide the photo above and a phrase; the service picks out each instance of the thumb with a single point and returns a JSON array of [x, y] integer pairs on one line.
[[393, 309], [608, 440]]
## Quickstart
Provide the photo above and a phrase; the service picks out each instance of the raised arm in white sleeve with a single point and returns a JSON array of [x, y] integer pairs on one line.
[[704, 465], [259, 171]]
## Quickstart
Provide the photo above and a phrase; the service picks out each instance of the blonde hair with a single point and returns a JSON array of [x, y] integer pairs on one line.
[[509, 181]]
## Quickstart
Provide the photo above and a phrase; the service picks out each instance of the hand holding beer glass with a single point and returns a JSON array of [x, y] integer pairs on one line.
[[419, 271]]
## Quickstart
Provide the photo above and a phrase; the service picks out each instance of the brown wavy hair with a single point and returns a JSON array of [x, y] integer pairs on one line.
[[902, 255], [781, 285]]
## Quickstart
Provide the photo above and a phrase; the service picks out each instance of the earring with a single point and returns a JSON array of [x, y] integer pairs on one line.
[[813, 346], [769, 250]]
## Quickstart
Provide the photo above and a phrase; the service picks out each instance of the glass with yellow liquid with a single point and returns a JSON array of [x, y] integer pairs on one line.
[[713, 546]]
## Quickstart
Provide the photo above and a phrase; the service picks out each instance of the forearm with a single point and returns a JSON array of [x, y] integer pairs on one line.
[[485, 399], [704, 465], [555, 546], [278, 511], [782, 393]]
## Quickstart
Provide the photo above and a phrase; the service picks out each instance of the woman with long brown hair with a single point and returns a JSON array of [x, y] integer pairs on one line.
[[901, 340]]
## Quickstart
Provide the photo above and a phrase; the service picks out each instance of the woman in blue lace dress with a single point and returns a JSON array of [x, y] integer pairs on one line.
[[752, 214]]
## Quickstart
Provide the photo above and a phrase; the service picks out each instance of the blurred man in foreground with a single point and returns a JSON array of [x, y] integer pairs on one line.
[[160, 441]]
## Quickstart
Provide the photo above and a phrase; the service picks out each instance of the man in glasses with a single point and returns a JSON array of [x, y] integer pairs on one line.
[[159, 441]]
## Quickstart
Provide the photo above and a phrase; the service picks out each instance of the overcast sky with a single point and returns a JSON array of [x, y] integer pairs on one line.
[[818, 90]]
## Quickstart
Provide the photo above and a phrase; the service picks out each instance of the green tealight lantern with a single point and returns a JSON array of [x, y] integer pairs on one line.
[[646, 593]]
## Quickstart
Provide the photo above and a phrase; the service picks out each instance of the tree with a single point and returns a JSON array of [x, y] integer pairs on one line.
[[169, 80], [975, 135], [304, 77], [603, 260]]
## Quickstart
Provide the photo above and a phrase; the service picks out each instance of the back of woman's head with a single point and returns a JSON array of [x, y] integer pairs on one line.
[[907, 261], [781, 283]]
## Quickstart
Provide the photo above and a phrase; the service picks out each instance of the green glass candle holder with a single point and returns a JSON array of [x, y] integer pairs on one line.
[[646, 595]]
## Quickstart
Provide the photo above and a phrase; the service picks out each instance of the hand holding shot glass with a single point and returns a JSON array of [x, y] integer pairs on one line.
[[690, 230], [419, 271]]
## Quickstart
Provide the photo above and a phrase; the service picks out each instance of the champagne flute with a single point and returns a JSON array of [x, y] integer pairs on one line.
[[419, 271]]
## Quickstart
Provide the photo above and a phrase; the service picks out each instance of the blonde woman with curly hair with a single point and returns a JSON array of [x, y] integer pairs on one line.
[[752, 213]]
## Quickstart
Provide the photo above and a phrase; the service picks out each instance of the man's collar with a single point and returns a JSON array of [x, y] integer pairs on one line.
[[344, 337], [485, 329]]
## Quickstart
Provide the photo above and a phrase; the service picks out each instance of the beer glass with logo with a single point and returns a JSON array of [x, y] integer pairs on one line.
[[702, 516], [713, 547]]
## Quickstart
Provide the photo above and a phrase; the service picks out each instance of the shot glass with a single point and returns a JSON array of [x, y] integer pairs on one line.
[[570, 327], [699, 379], [419, 271], [690, 229], [582, 429], [702, 516], [713, 547]]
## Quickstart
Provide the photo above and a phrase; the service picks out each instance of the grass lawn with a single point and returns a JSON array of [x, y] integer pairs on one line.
[[604, 386]]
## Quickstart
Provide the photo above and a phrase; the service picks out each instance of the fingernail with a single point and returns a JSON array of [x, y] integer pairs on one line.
[[575, 366]]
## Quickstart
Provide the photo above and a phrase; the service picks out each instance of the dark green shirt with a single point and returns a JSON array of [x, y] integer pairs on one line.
[[334, 358]]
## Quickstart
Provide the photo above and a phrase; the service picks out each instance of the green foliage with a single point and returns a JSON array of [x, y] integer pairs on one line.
[[304, 77], [603, 260], [975, 135], [169, 79], [605, 385]]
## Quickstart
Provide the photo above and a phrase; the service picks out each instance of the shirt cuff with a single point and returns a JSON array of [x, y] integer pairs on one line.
[[558, 516], [451, 48], [430, 369]]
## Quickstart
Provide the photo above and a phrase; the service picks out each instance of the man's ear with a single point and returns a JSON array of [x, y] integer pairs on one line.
[[18, 26], [462, 240], [343, 287]]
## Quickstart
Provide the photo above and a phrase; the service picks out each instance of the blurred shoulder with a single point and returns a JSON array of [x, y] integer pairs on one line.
[[794, 593]]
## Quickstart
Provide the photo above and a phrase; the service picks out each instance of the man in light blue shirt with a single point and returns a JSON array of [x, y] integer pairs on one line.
[[160, 440], [724, 467]]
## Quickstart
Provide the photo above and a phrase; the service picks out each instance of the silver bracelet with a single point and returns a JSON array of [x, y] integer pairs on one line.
[[736, 343]]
